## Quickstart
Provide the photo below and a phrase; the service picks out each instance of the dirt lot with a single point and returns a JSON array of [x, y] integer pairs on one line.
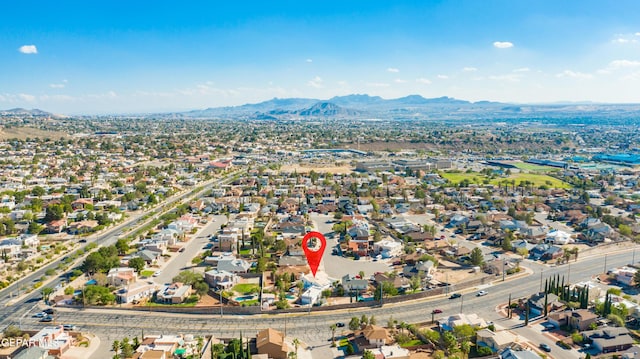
[[317, 168], [22, 133]]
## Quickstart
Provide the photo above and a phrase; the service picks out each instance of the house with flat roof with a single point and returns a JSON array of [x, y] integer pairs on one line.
[[495, 340], [54, 339], [174, 293]]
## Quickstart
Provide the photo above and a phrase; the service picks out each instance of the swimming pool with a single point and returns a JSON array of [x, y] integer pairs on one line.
[[244, 298]]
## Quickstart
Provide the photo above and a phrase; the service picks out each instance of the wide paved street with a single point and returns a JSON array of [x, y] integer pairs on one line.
[[314, 328]]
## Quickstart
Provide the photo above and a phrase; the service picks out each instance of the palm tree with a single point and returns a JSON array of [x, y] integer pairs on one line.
[[296, 343], [333, 328], [46, 293], [115, 346], [465, 347]]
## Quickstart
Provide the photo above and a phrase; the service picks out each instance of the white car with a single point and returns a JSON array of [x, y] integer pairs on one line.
[[157, 273], [481, 293]]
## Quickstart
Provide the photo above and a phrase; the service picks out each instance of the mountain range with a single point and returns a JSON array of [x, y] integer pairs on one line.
[[350, 106], [362, 106]]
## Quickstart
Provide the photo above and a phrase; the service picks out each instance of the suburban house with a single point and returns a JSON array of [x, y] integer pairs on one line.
[[216, 278], [174, 293], [157, 346], [495, 340], [609, 339], [377, 336], [54, 339], [511, 353], [391, 352], [233, 265], [135, 292], [354, 284], [388, 248], [271, 342], [582, 319], [121, 276], [536, 303], [447, 323]]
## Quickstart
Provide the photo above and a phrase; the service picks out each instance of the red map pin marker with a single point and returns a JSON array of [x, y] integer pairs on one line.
[[313, 245]]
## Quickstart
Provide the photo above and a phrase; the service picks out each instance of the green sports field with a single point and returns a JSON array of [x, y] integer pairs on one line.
[[535, 178]]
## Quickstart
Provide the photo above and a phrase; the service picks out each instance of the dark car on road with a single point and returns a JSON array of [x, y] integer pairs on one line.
[[339, 324], [437, 311], [545, 347], [455, 295]]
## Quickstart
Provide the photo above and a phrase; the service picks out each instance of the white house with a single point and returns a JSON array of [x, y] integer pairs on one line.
[[388, 248], [558, 237], [311, 296]]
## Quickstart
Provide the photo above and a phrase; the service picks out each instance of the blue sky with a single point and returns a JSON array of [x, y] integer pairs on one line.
[[126, 56]]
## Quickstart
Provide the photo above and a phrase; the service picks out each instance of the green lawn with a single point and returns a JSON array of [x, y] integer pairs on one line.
[[478, 178], [246, 288], [411, 343], [147, 273]]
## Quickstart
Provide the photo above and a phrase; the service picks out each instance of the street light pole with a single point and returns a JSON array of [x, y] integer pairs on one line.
[[605, 264], [540, 281]]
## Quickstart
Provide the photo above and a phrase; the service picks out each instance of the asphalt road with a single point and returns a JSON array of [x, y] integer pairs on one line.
[[17, 311], [313, 328], [182, 260]]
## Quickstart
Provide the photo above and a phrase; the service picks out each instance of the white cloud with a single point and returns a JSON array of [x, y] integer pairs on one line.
[[399, 81], [469, 69], [522, 69], [502, 44], [26, 97], [315, 82], [637, 34], [621, 40], [377, 84], [28, 49], [309, 60], [393, 69], [617, 65], [507, 77], [423, 80], [574, 74], [442, 77], [56, 86]]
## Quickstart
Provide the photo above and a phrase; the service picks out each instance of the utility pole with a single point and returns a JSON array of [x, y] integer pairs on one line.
[[461, 302], [503, 269], [605, 264]]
